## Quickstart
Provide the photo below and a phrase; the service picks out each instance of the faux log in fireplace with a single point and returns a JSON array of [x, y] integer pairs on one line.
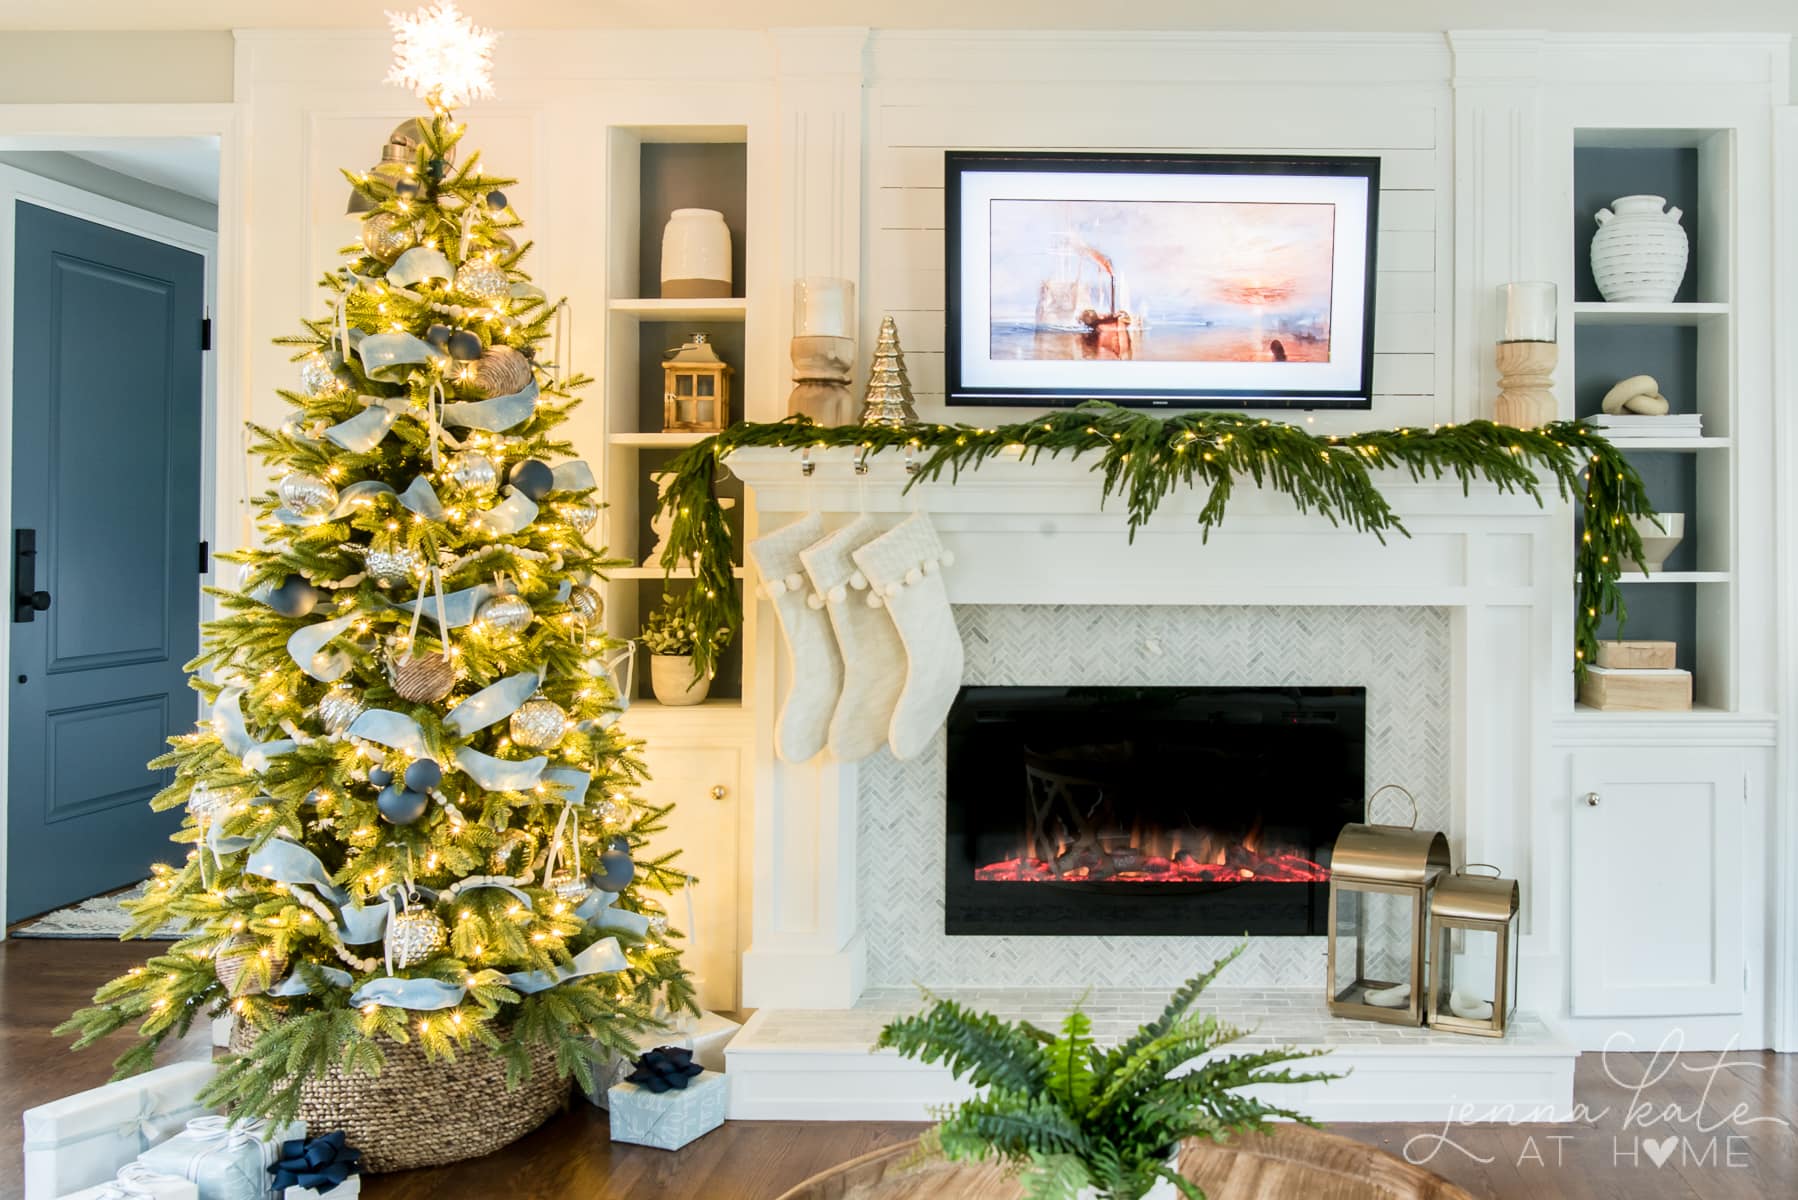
[[1149, 810]]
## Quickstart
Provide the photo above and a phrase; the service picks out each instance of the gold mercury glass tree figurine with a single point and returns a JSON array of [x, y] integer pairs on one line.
[[889, 400]]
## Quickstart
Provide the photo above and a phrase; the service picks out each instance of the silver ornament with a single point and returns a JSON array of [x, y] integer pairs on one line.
[[501, 371], [207, 805], [306, 495], [316, 375], [505, 614], [413, 935], [339, 707], [423, 680], [658, 926], [473, 473], [585, 604], [582, 514], [614, 814], [566, 885], [386, 236], [538, 724], [393, 564], [482, 281]]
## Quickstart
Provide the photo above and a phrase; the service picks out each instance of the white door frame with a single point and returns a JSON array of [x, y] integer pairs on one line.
[[1784, 998], [222, 482]]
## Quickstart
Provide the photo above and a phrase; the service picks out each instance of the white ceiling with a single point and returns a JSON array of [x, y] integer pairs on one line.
[[189, 165], [1622, 16]]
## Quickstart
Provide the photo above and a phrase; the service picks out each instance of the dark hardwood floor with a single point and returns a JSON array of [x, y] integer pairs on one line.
[[1603, 1158]]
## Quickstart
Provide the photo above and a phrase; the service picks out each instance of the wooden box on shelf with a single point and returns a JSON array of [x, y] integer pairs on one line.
[[1616, 689], [1638, 656]]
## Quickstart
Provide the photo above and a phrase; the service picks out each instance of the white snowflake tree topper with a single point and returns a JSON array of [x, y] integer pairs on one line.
[[445, 58]]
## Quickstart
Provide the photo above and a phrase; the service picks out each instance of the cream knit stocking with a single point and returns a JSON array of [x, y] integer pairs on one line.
[[814, 666], [904, 566]]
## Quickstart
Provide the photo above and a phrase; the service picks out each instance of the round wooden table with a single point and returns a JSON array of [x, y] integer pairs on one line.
[[1290, 1162]]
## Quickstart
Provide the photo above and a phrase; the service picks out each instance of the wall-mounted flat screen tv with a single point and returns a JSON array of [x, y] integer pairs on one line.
[[1151, 280]]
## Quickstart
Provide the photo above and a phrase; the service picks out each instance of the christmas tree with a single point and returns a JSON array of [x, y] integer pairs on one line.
[[889, 400], [410, 814]]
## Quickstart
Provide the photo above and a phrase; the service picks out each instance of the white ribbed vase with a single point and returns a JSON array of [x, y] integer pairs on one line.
[[1639, 252]]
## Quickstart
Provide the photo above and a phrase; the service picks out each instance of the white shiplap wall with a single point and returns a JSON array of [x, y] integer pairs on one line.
[[1167, 94]]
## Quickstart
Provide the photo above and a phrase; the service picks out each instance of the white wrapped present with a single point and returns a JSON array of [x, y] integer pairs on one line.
[[229, 1160], [137, 1182], [81, 1140], [705, 1035], [343, 1191], [670, 1119]]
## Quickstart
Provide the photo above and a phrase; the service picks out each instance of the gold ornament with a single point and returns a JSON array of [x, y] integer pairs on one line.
[[482, 281], [423, 680], [538, 724], [339, 707], [386, 235], [413, 935], [473, 473], [586, 605], [501, 371], [306, 495]]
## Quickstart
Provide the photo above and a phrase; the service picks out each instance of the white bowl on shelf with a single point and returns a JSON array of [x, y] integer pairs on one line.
[[1658, 541]]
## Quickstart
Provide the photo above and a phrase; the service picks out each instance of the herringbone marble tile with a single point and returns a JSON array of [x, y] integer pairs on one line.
[[1398, 654]]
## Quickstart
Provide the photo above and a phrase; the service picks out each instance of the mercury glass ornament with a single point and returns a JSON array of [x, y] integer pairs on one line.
[[339, 707], [505, 614], [582, 514], [423, 680], [414, 935], [501, 371], [473, 473], [207, 805], [316, 375], [393, 564], [614, 814], [386, 236], [566, 885], [658, 926], [538, 724], [586, 604], [306, 495], [515, 853], [482, 281]]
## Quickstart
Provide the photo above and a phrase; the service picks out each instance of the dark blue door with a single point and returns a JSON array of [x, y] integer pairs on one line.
[[106, 519]]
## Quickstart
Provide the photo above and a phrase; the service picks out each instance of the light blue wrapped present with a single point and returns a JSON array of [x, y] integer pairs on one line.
[[80, 1140], [226, 1160], [671, 1119]]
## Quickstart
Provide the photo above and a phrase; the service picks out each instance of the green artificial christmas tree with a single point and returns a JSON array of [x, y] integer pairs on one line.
[[410, 817]]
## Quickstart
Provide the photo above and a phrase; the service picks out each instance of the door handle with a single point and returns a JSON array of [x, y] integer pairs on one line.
[[28, 602], [1591, 799]]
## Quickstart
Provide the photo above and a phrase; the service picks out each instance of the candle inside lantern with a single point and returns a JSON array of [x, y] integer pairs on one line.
[[823, 307], [1529, 312]]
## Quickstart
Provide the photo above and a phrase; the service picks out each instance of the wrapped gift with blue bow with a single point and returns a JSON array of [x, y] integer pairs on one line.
[[228, 1160], [318, 1168], [137, 1182], [81, 1140], [667, 1101]]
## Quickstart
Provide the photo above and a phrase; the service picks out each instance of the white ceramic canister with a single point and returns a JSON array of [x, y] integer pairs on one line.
[[696, 255], [1639, 252]]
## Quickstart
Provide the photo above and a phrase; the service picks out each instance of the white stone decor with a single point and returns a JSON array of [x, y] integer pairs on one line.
[[1397, 653]]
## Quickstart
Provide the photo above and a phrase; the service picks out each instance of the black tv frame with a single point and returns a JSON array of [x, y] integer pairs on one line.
[[958, 162]]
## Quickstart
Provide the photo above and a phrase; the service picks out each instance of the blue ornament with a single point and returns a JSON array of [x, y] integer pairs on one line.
[[614, 872], [423, 775], [496, 199], [465, 345], [438, 335], [380, 776], [533, 477], [400, 806], [295, 597]]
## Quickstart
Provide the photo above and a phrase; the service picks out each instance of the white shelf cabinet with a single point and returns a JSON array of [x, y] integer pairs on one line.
[[1658, 907]]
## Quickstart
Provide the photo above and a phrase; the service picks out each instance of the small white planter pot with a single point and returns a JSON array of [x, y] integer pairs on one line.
[[1163, 1190], [1658, 541], [671, 679], [1639, 252]]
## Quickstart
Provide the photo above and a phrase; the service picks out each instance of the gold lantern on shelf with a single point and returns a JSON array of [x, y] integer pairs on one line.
[[695, 388], [1473, 952], [1381, 877]]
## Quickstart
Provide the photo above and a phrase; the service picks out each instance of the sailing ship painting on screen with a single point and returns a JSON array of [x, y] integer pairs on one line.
[[1170, 279]]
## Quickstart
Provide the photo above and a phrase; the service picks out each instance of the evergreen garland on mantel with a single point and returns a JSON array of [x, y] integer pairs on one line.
[[1144, 457]]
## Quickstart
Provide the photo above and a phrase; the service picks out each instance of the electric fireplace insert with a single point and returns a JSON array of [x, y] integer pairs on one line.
[[1149, 810]]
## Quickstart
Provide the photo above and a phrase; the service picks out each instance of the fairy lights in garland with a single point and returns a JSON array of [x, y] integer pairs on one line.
[[1144, 458]]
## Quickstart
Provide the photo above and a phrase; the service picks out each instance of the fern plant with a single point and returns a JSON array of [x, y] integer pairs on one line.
[[1072, 1115]]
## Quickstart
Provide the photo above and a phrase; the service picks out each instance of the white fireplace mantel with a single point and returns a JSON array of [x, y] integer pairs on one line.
[[1035, 533]]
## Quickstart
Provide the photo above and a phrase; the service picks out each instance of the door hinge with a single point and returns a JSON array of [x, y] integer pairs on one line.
[[205, 557], [206, 333]]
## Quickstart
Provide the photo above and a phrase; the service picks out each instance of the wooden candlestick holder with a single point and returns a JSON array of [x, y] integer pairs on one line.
[[1526, 395], [821, 376]]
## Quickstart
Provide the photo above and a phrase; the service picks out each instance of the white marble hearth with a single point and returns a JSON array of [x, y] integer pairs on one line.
[[816, 1064]]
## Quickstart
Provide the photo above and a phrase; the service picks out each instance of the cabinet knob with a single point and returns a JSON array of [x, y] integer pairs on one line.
[[719, 792], [1591, 799]]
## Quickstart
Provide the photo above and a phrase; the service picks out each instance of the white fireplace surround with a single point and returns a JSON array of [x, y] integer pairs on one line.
[[1037, 534]]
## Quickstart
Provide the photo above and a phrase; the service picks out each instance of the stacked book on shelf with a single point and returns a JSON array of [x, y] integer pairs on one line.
[[1637, 677], [1621, 427]]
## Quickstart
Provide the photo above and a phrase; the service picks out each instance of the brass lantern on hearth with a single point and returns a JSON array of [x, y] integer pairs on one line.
[[695, 388], [1381, 877], [1473, 952]]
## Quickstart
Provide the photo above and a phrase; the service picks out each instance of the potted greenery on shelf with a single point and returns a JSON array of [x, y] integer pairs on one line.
[[670, 633], [1084, 1122]]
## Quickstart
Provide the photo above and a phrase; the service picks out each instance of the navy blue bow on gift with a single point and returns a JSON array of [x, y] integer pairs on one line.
[[663, 1068], [318, 1163]]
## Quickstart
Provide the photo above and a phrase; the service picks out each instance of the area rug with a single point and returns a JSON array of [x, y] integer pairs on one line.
[[100, 917]]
